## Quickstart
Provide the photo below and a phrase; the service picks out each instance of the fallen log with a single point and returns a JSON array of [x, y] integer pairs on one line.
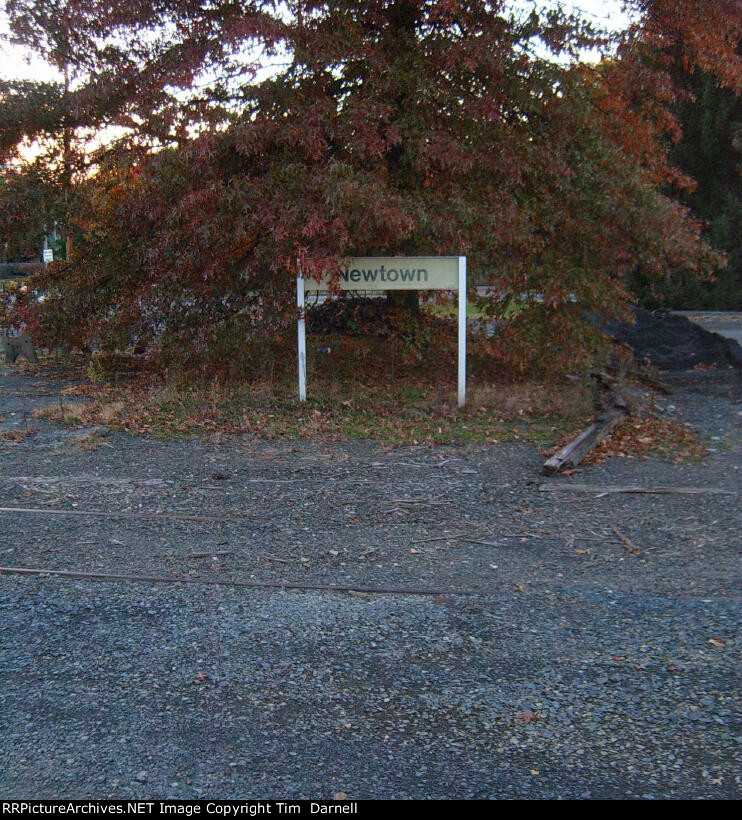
[[572, 454]]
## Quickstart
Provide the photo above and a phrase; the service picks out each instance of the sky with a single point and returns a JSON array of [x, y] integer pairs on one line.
[[18, 64]]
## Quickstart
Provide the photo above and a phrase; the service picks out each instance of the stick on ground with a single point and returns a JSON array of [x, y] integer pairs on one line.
[[630, 545], [130, 514], [633, 488], [277, 585]]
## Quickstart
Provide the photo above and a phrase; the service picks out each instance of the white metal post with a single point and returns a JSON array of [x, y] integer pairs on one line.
[[302, 340], [462, 331]]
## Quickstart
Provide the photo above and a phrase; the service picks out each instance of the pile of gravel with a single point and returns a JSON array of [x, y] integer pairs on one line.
[[671, 342]]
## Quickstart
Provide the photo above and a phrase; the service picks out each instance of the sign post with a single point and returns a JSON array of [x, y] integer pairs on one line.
[[380, 273], [462, 331], [302, 340]]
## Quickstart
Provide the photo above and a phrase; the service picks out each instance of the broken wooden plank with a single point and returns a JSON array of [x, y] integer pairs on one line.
[[572, 454], [601, 490]]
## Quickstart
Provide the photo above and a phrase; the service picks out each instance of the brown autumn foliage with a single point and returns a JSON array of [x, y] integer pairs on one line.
[[386, 127]]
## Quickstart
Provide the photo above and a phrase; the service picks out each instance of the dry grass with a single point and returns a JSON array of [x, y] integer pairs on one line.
[[395, 413], [17, 435], [392, 411], [110, 413], [360, 389], [530, 399], [67, 412], [90, 441]]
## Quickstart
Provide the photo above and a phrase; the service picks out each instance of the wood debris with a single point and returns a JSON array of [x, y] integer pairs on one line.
[[630, 545], [572, 453], [277, 585], [599, 491], [481, 543]]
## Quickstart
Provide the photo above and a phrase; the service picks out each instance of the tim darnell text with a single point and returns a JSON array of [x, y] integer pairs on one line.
[[255, 809]]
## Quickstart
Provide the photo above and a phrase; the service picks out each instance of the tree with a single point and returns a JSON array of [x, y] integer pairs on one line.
[[25, 211], [393, 126], [122, 72], [689, 60], [710, 151]]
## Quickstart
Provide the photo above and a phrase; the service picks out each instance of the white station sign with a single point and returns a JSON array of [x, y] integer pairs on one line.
[[395, 273], [380, 273]]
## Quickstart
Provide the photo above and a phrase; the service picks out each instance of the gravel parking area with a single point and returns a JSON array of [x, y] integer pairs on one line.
[[532, 653]]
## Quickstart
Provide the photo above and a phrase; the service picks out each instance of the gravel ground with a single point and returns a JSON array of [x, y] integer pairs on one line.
[[550, 662]]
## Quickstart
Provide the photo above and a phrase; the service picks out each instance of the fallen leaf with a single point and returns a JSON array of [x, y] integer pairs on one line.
[[340, 796], [718, 642], [528, 716]]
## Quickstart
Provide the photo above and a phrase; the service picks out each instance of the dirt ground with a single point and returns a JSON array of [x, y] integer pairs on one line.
[[499, 634]]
